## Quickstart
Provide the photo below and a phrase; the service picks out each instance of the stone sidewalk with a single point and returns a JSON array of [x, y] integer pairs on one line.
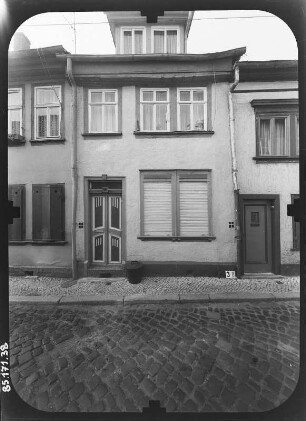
[[190, 357], [151, 289]]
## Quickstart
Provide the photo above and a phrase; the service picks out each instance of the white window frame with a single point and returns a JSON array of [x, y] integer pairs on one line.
[[133, 29], [48, 106], [154, 102], [103, 91], [191, 102], [165, 29], [16, 107]]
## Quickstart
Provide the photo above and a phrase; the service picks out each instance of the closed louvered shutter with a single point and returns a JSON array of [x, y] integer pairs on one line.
[[157, 208], [193, 208], [16, 230]]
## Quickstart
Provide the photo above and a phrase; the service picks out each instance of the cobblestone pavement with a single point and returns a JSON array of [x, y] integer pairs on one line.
[[34, 285], [190, 357]]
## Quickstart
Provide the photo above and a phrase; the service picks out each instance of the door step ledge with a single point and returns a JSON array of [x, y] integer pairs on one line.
[[261, 276]]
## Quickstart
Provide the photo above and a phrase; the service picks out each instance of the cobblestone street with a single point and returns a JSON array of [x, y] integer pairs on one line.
[[190, 357]]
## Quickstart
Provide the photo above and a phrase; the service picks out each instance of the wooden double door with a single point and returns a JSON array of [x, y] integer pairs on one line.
[[106, 228]]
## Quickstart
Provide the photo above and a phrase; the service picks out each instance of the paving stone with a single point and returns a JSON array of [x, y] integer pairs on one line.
[[76, 390], [42, 400], [94, 382], [189, 406], [148, 386], [32, 378], [214, 386], [61, 402], [23, 358], [100, 391]]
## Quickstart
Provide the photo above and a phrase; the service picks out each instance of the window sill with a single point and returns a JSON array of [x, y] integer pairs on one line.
[[276, 159], [47, 140], [174, 133], [147, 238], [102, 134], [38, 242], [15, 140], [294, 249]]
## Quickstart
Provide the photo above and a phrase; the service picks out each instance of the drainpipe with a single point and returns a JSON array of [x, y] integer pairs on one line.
[[234, 167], [74, 173]]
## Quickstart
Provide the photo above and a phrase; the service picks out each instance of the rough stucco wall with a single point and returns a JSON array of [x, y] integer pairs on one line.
[[124, 157], [41, 164], [274, 178]]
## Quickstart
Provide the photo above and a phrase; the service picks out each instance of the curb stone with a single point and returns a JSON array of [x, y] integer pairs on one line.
[[231, 297]]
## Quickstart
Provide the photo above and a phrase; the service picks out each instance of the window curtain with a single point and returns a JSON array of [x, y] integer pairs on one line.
[[109, 118], [264, 137], [279, 147], [96, 120], [42, 122], [161, 116], [185, 117], [14, 123], [148, 110], [159, 42], [172, 42], [138, 42], [127, 42], [198, 116]]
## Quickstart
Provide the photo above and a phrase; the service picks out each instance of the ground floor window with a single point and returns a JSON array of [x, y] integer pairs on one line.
[[175, 204], [48, 212]]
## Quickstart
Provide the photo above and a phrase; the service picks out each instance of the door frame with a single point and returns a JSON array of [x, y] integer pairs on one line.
[[275, 228], [87, 221]]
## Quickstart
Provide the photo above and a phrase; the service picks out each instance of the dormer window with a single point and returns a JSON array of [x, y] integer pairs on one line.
[[132, 40], [165, 40]]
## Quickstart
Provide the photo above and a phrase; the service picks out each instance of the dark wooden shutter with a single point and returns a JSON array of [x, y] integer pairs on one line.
[[295, 228], [16, 230], [57, 213]]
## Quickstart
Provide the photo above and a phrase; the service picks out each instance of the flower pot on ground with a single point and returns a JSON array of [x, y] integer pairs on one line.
[[134, 271]]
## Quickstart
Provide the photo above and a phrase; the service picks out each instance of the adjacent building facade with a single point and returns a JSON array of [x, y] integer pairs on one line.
[[176, 160]]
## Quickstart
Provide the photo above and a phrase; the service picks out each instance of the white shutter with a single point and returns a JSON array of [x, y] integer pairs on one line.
[[157, 208], [193, 205]]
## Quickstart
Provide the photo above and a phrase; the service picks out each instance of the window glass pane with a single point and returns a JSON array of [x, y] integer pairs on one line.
[[161, 117], [98, 247], [264, 137], [198, 116], [279, 145], [198, 95], [171, 42], [98, 204], [47, 96], [147, 95], [96, 97], [115, 212], [42, 122], [127, 42], [96, 118], [184, 95], [110, 97], [14, 98], [109, 118], [115, 248], [185, 116], [148, 116], [54, 121], [159, 41], [14, 123], [161, 95], [138, 42]]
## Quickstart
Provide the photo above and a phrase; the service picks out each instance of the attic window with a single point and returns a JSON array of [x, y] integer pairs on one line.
[[165, 40], [132, 41]]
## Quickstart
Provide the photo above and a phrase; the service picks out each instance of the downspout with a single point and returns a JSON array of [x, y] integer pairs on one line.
[[234, 168], [74, 172]]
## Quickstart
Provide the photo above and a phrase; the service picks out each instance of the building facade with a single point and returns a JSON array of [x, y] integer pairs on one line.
[[151, 155]]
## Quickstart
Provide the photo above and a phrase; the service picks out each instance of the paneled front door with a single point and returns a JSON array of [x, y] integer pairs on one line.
[[106, 230]]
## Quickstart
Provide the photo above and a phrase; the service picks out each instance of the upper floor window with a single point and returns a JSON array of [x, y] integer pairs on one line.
[[47, 112], [103, 110], [132, 41], [154, 110], [165, 41], [276, 128], [15, 111], [192, 109]]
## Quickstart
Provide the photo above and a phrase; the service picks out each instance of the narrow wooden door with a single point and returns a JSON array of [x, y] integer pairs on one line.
[[258, 256], [106, 229]]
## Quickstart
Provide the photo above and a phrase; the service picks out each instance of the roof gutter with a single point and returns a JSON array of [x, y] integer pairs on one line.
[[234, 167], [70, 77]]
